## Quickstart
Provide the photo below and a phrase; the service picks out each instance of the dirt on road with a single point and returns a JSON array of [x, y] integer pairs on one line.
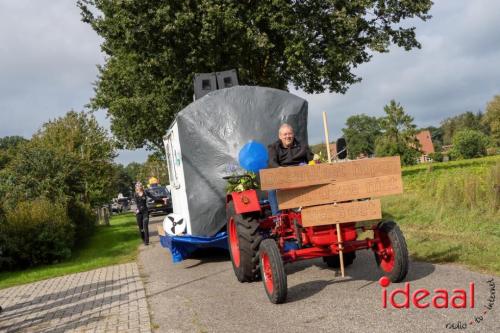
[[202, 295]]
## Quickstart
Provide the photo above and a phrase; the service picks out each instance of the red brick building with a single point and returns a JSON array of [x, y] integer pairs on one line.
[[426, 146]]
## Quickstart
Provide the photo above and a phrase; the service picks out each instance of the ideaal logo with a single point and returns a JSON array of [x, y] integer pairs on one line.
[[439, 299]]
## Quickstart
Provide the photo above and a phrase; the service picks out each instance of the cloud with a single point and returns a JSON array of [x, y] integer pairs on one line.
[[48, 62], [456, 70]]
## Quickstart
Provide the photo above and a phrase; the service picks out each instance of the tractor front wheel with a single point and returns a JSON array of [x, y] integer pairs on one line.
[[392, 254], [272, 271], [244, 239]]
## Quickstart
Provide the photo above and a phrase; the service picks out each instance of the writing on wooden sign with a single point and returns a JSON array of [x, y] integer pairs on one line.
[[355, 211], [301, 176], [340, 191]]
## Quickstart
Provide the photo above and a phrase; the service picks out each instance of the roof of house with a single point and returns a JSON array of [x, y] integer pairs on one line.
[[426, 146]]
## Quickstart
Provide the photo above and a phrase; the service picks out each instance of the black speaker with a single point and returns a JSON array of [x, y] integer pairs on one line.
[[227, 79], [203, 84]]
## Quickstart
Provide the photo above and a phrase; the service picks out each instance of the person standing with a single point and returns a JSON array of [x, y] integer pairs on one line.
[[141, 212], [287, 151]]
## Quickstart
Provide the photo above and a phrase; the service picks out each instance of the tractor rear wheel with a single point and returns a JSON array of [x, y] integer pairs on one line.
[[393, 259], [272, 271], [334, 261], [244, 239]]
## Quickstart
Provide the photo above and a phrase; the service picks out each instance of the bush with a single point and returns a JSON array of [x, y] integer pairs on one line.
[[469, 144], [35, 232], [436, 157], [83, 219]]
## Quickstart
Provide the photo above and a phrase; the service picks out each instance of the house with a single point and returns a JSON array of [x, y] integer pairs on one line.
[[426, 146]]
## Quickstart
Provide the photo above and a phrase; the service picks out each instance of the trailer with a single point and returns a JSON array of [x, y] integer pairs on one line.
[[202, 146]]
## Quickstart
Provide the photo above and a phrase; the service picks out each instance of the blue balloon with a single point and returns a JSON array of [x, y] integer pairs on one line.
[[253, 156]]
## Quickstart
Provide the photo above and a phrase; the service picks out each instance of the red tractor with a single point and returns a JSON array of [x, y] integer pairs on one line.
[[260, 244]]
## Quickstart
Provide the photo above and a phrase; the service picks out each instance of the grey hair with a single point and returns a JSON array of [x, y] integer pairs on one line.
[[285, 125]]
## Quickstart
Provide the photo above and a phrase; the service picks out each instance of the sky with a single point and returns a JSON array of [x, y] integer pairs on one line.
[[48, 64]]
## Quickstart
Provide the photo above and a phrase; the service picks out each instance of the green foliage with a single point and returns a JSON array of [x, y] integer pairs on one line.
[[35, 232], [83, 219], [398, 135], [436, 157], [122, 182], [320, 150], [154, 49], [156, 166], [109, 245], [466, 120], [249, 182], [41, 172], [469, 144], [8, 149], [491, 119], [361, 133], [69, 158], [134, 171], [443, 206]]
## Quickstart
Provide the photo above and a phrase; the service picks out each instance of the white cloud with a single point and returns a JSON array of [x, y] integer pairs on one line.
[[48, 62]]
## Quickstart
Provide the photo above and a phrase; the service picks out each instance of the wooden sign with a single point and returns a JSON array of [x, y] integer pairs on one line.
[[355, 211], [340, 191], [302, 176]]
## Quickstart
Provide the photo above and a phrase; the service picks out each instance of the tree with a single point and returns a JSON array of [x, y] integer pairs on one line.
[[360, 134], [469, 144], [466, 120], [8, 148], [398, 135], [134, 171], [156, 166], [122, 182], [69, 157], [154, 49], [491, 119]]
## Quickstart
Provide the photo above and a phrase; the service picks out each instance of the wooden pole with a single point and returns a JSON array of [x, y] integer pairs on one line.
[[339, 236], [327, 140]]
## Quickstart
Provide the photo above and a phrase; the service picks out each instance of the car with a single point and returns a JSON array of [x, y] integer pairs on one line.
[[116, 207], [162, 201]]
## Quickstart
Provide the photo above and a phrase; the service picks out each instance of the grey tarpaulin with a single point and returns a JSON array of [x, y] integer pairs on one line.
[[212, 131]]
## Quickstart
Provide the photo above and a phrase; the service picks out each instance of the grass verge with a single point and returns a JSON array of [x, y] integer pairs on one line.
[[449, 213], [109, 245]]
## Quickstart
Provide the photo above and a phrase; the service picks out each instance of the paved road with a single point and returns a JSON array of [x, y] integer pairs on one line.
[[110, 299], [203, 295]]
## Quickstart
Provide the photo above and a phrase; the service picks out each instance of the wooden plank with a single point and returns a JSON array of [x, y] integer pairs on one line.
[[355, 211], [340, 191], [302, 176]]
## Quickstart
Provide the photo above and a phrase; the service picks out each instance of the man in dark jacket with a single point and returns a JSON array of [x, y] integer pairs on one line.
[[287, 151]]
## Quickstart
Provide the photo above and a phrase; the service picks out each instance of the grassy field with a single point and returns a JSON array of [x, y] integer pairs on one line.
[[449, 212], [114, 244]]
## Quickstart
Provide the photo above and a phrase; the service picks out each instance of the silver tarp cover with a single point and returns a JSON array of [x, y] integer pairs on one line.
[[213, 129]]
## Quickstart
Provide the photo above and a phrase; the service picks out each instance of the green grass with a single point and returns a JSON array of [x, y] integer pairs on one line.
[[110, 245], [449, 212]]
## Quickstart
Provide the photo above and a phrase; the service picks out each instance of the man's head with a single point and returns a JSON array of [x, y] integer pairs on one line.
[[286, 135]]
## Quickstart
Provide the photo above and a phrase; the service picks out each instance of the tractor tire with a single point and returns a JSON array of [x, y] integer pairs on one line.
[[334, 261], [244, 239], [273, 271], [395, 264]]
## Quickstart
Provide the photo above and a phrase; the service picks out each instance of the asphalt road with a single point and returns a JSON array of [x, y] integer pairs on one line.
[[203, 295]]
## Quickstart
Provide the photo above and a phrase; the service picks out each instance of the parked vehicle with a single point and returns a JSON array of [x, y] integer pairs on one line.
[[162, 201], [116, 207]]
